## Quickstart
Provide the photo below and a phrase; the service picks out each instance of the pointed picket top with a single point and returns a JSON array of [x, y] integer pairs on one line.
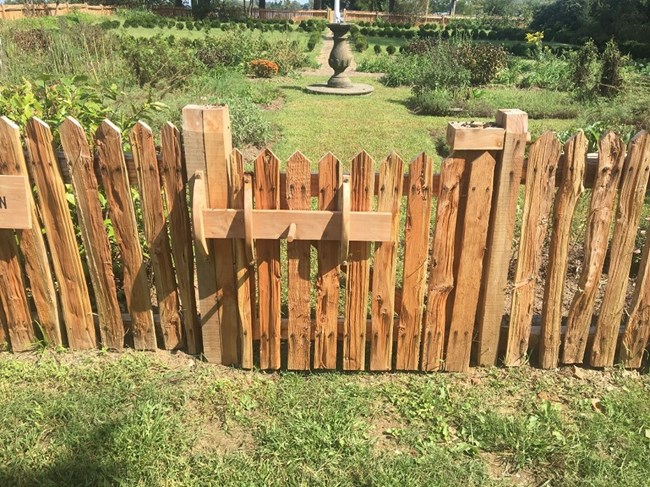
[[298, 156], [108, 129], [10, 123]]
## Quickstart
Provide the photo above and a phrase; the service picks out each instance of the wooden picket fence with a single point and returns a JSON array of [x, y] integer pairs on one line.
[[215, 276]]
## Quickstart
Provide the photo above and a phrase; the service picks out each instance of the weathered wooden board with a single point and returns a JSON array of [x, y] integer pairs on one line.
[[441, 275], [599, 221], [267, 196], [479, 174], [566, 200], [244, 269], [93, 233], [32, 243], [543, 159], [14, 203], [155, 230], [115, 179], [298, 267], [507, 178], [357, 282], [53, 204], [630, 205], [206, 276], [327, 282], [389, 199], [416, 250], [174, 182], [474, 138]]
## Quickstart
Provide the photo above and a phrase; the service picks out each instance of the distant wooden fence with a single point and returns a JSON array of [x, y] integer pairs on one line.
[[226, 285], [349, 16], [20, 11]]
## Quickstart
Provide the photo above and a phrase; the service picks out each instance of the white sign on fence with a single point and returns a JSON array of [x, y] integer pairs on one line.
[[14, 203]]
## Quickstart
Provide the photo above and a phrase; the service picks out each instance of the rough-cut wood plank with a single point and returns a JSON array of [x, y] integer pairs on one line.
[[4, 333], [244, 269], [479, 173], [327, 283], [12, 294], [358, 268], [298, 267], [441, 276], [630, 205], [389, 199], [416, 249], [206, 277], [566, 200], [637, 331], [543, 159], [507, 177], [599, 222], [32, 243], [53, 204], [14, 203], [310, 225], [155, 231], [174, 181], [267, 196], [115, 180], [93, 233], [479, 137], [218, 147]]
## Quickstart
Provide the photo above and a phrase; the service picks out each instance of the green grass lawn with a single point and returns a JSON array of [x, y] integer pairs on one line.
[[378, 123], [161, 419]]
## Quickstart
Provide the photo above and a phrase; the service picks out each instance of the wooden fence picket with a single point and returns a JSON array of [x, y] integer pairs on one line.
[[93, 234], [357, 282], [566, 199], [32, 243], [267, 197], [611, 157], [416, 250], [543, 159], [327, 283], [4, 332], [389, 199], [630, 204], [244, 269], [174, 182], [298, 197], [73, 290], [155, 230], [470, 249], [115, 180], [441, 276], [507, 178]]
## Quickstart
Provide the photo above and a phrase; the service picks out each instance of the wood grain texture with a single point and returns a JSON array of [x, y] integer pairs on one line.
[[115, 180], [244, 269], [32, 243], [637, 331], [416, 250], [327, 282], [566, 200], [298, 267], [93, 234], [441, 275], [357, 282], [599, 222], [155, 231], [174, 183], [507, 177], [267, 196], [479, 173], [206, 276], [218, 147], [389, 199], [14, 202], [4, 333], [52, 201], [630, 205], [481, 138], [543, 159]]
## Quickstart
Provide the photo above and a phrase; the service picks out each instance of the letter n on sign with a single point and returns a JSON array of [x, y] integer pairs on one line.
[[14, 203]]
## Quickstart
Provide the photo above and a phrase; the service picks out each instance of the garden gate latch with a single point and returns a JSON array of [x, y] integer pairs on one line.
[[14, 203], [249, 224]]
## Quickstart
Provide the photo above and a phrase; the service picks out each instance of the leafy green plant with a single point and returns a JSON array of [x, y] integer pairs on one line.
[[611, 79], [584, 69]]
